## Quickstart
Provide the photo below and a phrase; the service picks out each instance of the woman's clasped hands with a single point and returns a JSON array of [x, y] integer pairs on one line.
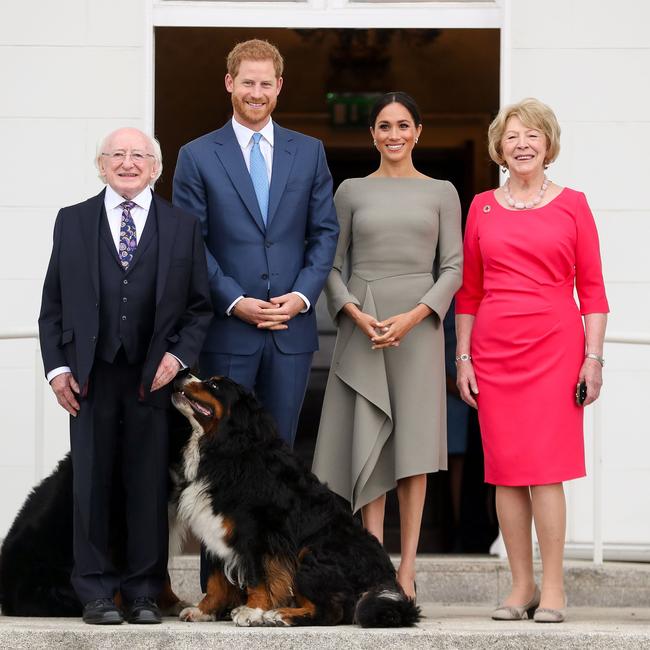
[[389, 332]]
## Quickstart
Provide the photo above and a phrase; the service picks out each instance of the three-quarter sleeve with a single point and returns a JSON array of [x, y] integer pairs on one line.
[[450, 253], [589, 272], [336, 291], [471, 292]]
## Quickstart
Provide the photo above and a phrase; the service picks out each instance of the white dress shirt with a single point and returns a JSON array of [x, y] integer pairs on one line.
[[244, 137], [139, 212]]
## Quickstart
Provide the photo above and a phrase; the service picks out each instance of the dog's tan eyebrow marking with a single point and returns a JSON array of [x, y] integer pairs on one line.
[[197, 391]]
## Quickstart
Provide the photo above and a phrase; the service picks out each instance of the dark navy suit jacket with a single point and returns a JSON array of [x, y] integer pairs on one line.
[[293, 252], [69, 318]]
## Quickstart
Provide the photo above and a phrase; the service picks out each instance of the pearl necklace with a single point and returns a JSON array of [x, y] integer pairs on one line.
[[525, 205]]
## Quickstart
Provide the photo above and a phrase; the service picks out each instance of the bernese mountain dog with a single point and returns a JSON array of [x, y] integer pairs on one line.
[[283, 550], [36, 556]]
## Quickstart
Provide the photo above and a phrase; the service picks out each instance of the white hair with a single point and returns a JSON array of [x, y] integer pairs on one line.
[[155, 145]]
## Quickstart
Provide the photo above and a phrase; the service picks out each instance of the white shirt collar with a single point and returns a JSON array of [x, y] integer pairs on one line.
[[112, 199], [244, 134]]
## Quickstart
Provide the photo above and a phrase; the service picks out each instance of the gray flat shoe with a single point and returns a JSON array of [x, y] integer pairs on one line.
[[549, 615], [515, 612]]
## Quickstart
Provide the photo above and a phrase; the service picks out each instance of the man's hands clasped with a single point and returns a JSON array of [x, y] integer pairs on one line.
[[272, 314]]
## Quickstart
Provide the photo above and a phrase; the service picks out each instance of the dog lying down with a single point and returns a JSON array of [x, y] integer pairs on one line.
[[282, 548]]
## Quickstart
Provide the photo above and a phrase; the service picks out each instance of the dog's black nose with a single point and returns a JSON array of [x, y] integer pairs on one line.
[[183, 373]]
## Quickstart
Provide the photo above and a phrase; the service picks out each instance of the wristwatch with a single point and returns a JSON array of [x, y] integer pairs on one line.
[[463, 357]]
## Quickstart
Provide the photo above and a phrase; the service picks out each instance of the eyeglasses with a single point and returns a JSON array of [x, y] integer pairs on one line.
[[120, 156]]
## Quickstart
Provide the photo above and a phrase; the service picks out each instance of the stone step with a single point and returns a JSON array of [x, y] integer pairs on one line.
[[444, 628], [481, 580]]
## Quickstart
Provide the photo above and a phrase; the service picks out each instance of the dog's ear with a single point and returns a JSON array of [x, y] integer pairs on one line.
[[246, 418]]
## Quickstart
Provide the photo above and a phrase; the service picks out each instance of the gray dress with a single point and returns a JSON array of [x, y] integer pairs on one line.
[[384, 412]]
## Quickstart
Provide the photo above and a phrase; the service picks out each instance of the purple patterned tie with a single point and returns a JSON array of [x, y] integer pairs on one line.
[[128, 240]]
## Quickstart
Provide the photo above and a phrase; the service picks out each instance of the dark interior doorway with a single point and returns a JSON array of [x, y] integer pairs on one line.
[[330, 78]]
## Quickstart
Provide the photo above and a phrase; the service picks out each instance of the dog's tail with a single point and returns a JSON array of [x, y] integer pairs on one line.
[[386, 606]]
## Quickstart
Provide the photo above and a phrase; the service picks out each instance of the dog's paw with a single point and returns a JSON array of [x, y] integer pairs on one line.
[[176, 608], [248, 616], [273, 618], [195, 615]]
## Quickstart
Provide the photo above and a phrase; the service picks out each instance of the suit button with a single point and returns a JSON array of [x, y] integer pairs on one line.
[[123, 317], [93, 338], [124, 299], [264, 276], [126, 281], [268, 244]]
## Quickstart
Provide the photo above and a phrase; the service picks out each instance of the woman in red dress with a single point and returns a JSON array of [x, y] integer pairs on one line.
[[522, 347]]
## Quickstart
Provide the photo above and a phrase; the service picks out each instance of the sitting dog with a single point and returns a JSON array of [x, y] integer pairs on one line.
[[283, 549], [36, 557]]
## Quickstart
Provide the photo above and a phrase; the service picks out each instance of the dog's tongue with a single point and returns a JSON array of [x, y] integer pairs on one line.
[[198, 407]]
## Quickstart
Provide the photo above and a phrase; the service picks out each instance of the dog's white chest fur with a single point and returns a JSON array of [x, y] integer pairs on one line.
[[192, 452], [195, 507]]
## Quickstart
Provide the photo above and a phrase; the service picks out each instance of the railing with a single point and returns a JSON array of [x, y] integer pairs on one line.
[[39, 414], [629, 338], [617, 338], [624, 338]]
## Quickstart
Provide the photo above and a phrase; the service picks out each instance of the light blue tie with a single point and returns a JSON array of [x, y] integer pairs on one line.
[[260, 176]]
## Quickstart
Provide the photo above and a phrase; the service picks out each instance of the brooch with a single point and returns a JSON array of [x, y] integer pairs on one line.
[[486, 208]]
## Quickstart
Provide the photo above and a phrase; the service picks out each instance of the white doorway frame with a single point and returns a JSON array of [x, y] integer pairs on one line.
[[323, 14], [359, 14], [315, 14]]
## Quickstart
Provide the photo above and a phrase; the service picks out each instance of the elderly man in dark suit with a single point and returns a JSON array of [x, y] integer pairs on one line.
[[125, 306]]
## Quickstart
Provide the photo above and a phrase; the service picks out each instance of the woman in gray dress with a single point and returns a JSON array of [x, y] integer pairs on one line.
[[383, 422]]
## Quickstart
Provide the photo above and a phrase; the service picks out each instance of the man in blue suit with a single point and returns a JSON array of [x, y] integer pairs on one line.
[[264, 198]]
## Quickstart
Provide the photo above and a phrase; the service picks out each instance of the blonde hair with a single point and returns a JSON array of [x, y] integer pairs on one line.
[[155, 146], [533, 114], [254, 50]]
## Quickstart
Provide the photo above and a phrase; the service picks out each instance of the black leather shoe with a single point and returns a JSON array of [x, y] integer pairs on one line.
[[102, 612], [144, 610]]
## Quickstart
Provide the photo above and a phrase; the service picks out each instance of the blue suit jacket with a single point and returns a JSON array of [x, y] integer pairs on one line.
[[294, 252]]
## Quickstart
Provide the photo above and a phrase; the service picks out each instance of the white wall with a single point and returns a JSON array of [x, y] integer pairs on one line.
[[70, 71], [590, 61]]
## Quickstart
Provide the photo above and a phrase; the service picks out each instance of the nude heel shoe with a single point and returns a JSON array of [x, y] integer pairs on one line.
[[549, 615], [516, 613]]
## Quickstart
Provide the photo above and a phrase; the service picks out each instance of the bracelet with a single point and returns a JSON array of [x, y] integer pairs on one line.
[[596, 357], [463, 357]]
